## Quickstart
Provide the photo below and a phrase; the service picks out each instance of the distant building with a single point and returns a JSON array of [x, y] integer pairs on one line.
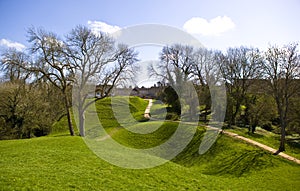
[[143, 92]]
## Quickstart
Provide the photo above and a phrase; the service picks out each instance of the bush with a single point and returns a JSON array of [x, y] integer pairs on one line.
[[267, 126], [172, 116], [293, 128]]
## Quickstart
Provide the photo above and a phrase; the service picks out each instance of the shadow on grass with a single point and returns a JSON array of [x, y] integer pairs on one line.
[[255, 135], [61, 135], [143, 119], [239, 164], [293, 143]]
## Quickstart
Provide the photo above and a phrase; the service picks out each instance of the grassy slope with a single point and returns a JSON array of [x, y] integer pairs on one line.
[[269, 139], [65, 163]]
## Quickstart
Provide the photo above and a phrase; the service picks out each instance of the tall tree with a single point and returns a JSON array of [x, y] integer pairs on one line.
[[206, 74], [97, 60], [240, 66], [282, 69], [175, 68], [51, 63]]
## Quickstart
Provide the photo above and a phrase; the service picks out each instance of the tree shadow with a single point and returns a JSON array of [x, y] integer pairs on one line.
[[293, 143], [254, 135], [239, 164], [277, 152]]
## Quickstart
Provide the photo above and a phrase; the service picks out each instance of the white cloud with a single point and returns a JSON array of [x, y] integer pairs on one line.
[[10, 44], [97, 26], [213, 27]]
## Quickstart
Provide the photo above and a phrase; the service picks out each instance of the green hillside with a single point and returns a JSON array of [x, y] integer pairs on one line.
[[62, 162]]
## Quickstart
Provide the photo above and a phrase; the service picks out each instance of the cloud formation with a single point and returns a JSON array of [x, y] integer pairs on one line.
[[97, 26], [9, 44], [213, 27]]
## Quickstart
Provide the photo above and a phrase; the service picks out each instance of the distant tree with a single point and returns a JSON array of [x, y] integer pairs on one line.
[[239, 66], [28, 107], [294, 115], [175, 68], [170, 97], [13, 91], [97, 60], [25, 111], [282, 69], [11, 65], [261, 110], [206, 74]]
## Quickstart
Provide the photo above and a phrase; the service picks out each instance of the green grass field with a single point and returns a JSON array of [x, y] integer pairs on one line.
[[270, 139], [62, 162]]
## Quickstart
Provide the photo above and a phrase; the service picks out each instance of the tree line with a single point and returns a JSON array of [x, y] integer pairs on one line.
[[50, 71], [262, 87]]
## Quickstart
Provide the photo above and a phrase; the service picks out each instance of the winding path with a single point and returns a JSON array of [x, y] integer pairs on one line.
[[147, 111], [236, 136], [233, 135], [260, 145]]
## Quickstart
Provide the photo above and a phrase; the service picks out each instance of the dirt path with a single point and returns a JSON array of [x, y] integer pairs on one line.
[[260, 145], [147, 111], [234, 135]]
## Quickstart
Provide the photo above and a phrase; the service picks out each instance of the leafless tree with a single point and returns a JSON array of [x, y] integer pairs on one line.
[[96, 59], [239, 67], [51, 63], [175, 68], [11, 65], [206, 74], [25, 100], [282, 69]]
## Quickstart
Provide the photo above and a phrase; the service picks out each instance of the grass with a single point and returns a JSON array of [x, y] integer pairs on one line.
[[270, 139], [158, 110], [66, 163]]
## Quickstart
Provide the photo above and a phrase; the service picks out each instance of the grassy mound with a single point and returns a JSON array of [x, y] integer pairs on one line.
[[106, 115], [60, 162], [65, 163]]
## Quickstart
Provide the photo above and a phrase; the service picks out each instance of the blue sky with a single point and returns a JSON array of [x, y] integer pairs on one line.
[[217, 24], [251, 22]]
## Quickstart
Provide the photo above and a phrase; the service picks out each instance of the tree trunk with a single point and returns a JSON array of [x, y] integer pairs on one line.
[[237, 109], [70, 122], [205, 114], [282, 139], [69, 115], [81, 123], [282, 143]]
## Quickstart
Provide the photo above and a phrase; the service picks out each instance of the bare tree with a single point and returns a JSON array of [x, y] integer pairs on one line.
[[27, 105], [239, 67], [13, 90], [175, 68], [51, 63], [282, 69], [96, 60], [11, 65], [206, 74]]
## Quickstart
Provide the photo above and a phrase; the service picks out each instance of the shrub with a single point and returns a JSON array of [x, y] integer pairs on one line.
[[293, 128], [172, 116], [267, 126]]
